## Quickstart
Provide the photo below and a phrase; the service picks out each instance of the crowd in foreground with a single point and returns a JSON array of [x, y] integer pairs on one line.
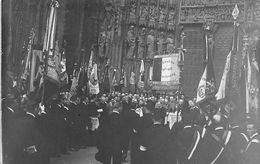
[[119, 122]]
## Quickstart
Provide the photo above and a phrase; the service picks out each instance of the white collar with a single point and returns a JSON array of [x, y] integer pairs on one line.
[[157, 123], [30, 114], [255, 134], [10, 109], [114, 111]]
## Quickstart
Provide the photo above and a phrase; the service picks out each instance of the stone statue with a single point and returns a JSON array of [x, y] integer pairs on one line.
[[131, 42], [162, 17], [150, 44], [132, 12], [141, 44], [161, 44], [143, 14], [152, 14], [170, 44], [101, 44]]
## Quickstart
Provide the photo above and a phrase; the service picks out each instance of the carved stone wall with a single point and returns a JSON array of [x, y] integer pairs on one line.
[[146, 28], [193, 63], [222, 46], [196, 11]]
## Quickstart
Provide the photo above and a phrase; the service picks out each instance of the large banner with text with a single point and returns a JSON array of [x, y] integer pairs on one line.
[[166, 72]]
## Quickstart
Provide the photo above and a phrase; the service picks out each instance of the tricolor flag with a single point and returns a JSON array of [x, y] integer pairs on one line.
[[207, 84], [221, 94], [165, 69]]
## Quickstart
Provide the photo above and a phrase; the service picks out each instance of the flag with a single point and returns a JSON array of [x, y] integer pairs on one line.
[[151, 73], [141, 78], [37, 70], [165, 69], [106, 82], [114, 78], [90, 63], [125, 79], [93, 81], [75, 83], [28, 63], [252, 87], [49, 44], [51, 80], [221, 94], [207, 85]]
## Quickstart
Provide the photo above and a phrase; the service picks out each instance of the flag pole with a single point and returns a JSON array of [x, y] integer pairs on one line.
[[47, 42]]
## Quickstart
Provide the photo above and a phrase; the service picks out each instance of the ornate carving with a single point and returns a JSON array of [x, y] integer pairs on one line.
[[152, 16], [161, 43], [143, 14], [163, 3], [101, 44], [252, 15], [221, 13], [132, 12], [170, 44], [162, 17], [210, 2], [141, 44], [153, 2], [171, 20]]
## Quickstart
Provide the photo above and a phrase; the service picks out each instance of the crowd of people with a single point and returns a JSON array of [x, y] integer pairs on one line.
[[118, 123]]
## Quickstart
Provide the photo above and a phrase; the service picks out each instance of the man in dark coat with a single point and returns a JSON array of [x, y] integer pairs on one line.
[[26, 146], [112, 136], [154, 140], [130, 130]]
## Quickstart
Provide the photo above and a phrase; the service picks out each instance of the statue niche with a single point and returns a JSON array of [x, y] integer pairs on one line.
[[152, 14], [132, 12], [130, 42], [161, 43], [150, 44], [162, 17], [170, 44], [101, 44], [171, 20], [141, 44], [143, 14]]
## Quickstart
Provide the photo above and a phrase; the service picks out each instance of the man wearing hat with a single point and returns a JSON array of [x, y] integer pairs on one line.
[[252, 150], [154, 140], [26, 146], [112, 136]]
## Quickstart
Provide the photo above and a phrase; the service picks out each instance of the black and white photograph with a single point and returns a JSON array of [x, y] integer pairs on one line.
[[130, 82]]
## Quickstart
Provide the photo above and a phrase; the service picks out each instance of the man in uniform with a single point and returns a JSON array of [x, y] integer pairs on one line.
[[26, 139], [113, 136], [154, 141]]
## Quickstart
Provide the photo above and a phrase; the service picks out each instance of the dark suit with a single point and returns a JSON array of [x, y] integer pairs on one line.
[[25, 133], [130, 125], [155, 141], [113, 139]]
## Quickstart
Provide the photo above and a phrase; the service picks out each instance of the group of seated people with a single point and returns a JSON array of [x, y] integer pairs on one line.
[[117, 123]]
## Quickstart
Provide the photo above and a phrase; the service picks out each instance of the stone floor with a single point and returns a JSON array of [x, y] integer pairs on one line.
[[83, 156]]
